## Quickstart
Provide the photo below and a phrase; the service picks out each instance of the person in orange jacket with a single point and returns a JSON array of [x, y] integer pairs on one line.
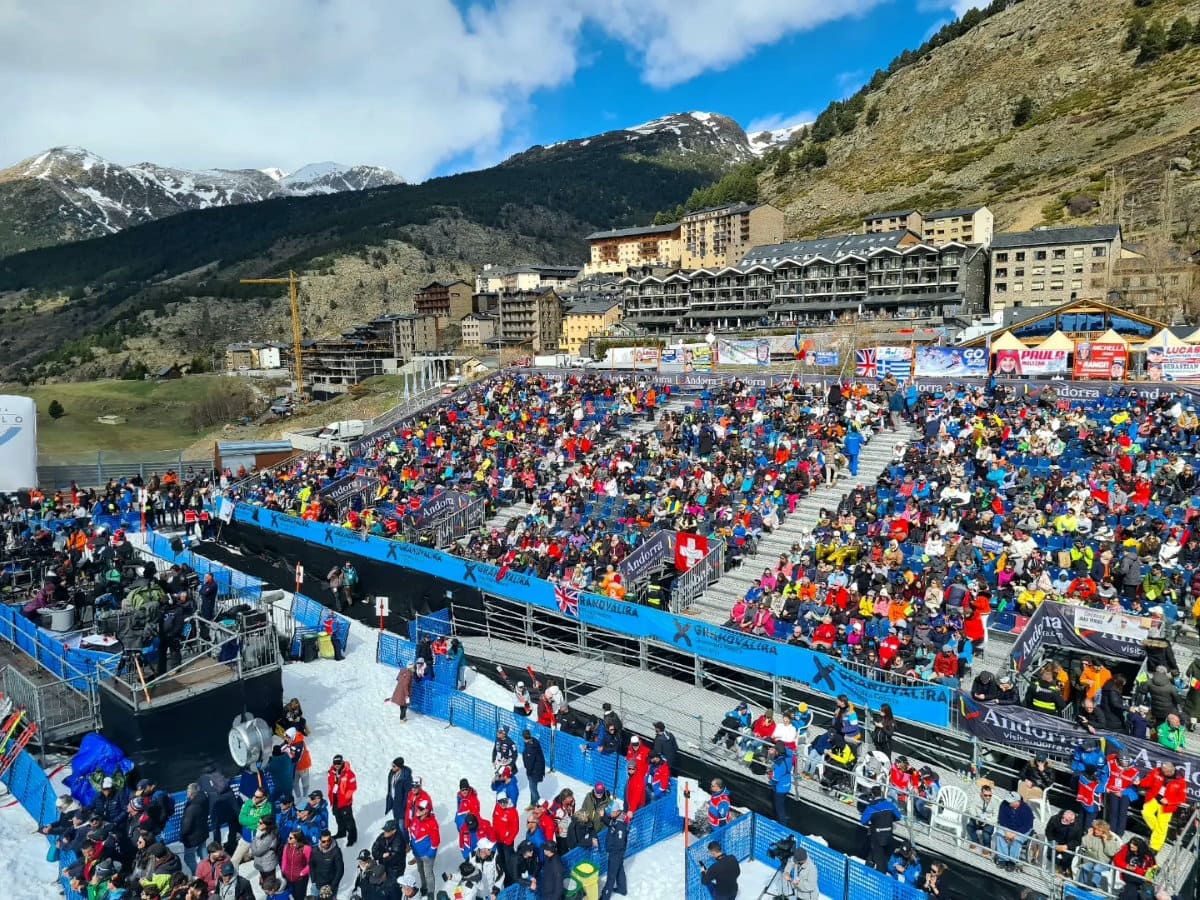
[[342, 785]]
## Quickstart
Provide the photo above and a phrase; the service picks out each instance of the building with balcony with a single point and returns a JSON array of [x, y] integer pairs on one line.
[[893, 220], [450, 300], [618, 250], [379, 347], [586, 319], [721, 235], [478, 329], [968, 225], [813, 282], [1052, 266], [531, 317], [497, 279]]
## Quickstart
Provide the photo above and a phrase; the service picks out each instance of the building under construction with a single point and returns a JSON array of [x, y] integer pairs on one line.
[[379, 347]]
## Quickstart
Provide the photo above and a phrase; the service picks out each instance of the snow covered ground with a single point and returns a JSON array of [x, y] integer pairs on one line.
[[346, 710]]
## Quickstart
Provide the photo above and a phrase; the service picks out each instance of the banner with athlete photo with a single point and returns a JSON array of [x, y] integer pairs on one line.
[[1173, 363], [1094, 362], [1023, 363], [744, 353], [1081, 628], [952, 362]]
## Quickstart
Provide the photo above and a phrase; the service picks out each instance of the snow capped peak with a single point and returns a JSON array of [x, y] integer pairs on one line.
[[313, 171], [762, 141], [275, 174]]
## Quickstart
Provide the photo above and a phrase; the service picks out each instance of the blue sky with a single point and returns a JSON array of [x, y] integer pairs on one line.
[[423, 87], [784, 82]]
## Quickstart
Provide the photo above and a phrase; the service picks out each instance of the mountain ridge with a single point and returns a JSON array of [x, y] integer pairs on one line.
[[69, 193]]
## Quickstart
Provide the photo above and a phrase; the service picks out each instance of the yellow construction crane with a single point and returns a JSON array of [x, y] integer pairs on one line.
[[293, 283]]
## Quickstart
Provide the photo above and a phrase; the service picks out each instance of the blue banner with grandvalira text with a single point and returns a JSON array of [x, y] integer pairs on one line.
[[929, 703]]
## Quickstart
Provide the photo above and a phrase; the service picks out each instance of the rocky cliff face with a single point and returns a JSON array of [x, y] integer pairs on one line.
[[1104, 130], [69, 193]]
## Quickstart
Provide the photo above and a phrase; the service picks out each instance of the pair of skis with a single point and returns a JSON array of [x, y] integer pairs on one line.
[[15, 733], [533, 679]]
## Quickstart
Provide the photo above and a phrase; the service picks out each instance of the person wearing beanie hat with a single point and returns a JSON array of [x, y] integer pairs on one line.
[[399, 783], [506, 825], [468, 803], [342, 786], [534, 760], [615, 844], [801, 877]]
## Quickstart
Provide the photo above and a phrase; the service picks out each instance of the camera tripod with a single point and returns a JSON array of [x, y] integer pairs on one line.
[[767, 892]]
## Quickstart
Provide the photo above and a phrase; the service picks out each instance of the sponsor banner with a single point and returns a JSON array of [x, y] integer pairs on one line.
[[1033, 731], [438, 506], [343, 491], [744, 353], [1018, 363], [1173, 363], [18, 443], [830, 358], [687, 358], [952, 362], [648, 555], [633, 357], [1099, 362], [824, 674], [1080, 628]]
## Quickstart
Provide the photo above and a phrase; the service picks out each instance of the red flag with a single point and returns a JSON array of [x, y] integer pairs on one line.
[[689, 550]]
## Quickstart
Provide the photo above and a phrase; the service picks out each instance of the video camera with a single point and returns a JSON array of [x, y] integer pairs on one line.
[[782, 850]]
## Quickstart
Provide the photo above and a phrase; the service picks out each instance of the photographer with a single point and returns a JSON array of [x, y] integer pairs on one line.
[[721, 875], [801, 877]]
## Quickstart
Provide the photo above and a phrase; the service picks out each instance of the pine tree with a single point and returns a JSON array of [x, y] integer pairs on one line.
[[783, 166], [1024, 111], [1179, 34], [55, 410], [1137, 27], [1153, 43]]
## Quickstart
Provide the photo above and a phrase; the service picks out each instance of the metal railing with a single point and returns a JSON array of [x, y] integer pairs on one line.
[[210, 652], [59, 708], [456, 524], [690, 586]]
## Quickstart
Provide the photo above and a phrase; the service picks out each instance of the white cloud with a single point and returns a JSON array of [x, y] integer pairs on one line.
[[407, 84], [779, 121]]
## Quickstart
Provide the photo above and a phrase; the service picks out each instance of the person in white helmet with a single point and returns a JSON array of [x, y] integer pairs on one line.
[[410, 885], [522, 706]]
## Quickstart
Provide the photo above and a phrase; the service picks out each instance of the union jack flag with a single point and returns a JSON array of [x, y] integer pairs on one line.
[[567, 598], [865, 364]]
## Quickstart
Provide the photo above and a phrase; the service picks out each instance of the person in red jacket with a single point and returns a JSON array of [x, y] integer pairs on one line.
[[472, 831], [825, 634], [658, 779], [1166, 791], [342, 786], [506, 823], [415, 796], [902, 780], [635, 790], [1134, 857], [638, 754], [468, 803], [1122, 776]]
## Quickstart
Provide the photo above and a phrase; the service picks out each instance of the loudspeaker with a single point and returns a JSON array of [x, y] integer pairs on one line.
[[176, 545]]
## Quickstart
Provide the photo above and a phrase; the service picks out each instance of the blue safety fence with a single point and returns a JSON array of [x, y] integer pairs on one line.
[[231, 584], [309, 615], [79, 667], [839, 877], [435, 625], [395, 651], [1075, 892]]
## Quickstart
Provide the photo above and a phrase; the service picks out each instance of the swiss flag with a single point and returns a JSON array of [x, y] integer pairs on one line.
[[689, 550]]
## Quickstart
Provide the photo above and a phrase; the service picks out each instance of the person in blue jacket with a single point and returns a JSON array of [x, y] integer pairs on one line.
[[905, 866], [780, 779], [853, 445], [456, 657], [111, 804], [733, 723]]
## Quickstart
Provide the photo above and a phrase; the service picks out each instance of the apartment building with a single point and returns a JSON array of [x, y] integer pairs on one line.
[[1159, 284], [531, 317], [253, 356], [618, 250], [497, 279], [893, 220], [586, 319], [379, 347], [478, 329], [721, 235], [450, 300], [1050, 266], [966, 225], [808, 282]]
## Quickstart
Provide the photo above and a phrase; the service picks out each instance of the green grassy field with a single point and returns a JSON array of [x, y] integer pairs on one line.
[[156, 415]]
